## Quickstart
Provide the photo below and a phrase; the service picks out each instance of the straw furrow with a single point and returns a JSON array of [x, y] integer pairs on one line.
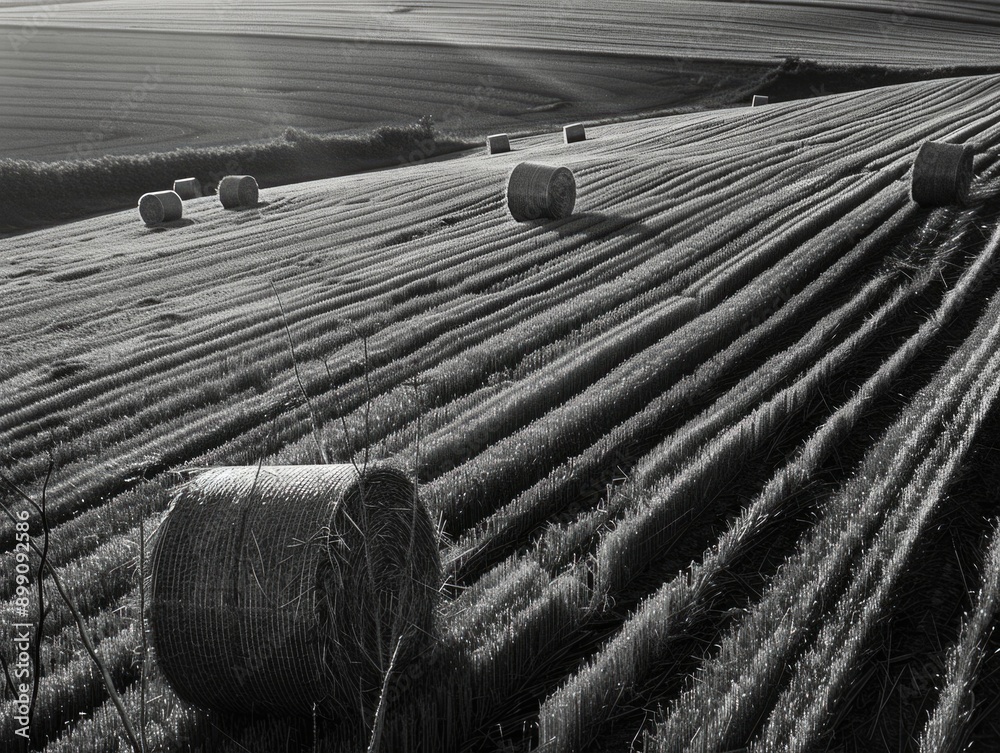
[[721, 711], [821, 675], [575, 712], [944, 729]]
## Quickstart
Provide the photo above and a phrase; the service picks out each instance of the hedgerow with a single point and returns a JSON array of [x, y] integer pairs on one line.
[[40, 193]]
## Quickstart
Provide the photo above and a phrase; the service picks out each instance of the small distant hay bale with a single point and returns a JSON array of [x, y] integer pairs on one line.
[[536, 191], [497, 143], [758, 100], [277, 588], [942, 174], [238, 191], [574, 132], [188, 188], [160, 206]]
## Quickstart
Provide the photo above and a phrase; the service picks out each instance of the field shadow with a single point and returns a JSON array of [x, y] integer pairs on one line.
[[28, 272], [258, 205], [600, 225], [173, 224], [65, 369]]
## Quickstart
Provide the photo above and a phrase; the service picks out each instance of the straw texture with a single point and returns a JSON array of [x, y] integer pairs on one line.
[[942, 174], [238, 191], [497, 143], [188, 188], [160, 206], [574, 132], [276, 588], [758, 99], [536, 191]]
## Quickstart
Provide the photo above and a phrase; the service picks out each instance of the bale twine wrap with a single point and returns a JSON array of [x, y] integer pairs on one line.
[[942, 174], [160, 206], [574, 132], [758, 99], [238, 191], [188, 188], [497, 143], [278, 589], [536, 191]]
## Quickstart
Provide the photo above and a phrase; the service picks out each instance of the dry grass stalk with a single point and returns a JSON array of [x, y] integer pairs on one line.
[[497, 143], [758, 100], [160, 206], [574, 132], [238, 191], [287, 588], [536, 191], [942, 174], [188, 188]]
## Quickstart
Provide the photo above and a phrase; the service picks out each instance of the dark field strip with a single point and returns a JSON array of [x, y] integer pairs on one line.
[[191, 87], [630, 425]]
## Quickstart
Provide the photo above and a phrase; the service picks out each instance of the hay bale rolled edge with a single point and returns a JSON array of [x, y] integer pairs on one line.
[[238, 191], [942, 174], [497, 143], [574, 132], [160, 206], [536, 191], [261, 598], [188, 188]]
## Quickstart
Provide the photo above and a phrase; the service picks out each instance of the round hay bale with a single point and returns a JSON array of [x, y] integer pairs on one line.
[[574, 132], [276, 588], [536, 191], [497, 143], [188, 188], [942, 174], [160, 206], [238, 191], [758, 99]]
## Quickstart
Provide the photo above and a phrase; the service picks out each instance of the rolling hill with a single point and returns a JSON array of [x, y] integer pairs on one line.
[[713, 460], [84, 79]]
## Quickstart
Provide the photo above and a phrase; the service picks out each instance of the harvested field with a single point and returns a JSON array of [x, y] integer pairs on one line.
[[119, 76], [888, 32], [712, 459]]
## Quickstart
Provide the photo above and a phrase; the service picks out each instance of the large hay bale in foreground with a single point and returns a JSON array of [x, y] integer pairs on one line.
[[276, 588], [942, 174], [238, 191], [758, 100], [497, 143], [188, 188], [536, 191], [574, 132], [160, 206]]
